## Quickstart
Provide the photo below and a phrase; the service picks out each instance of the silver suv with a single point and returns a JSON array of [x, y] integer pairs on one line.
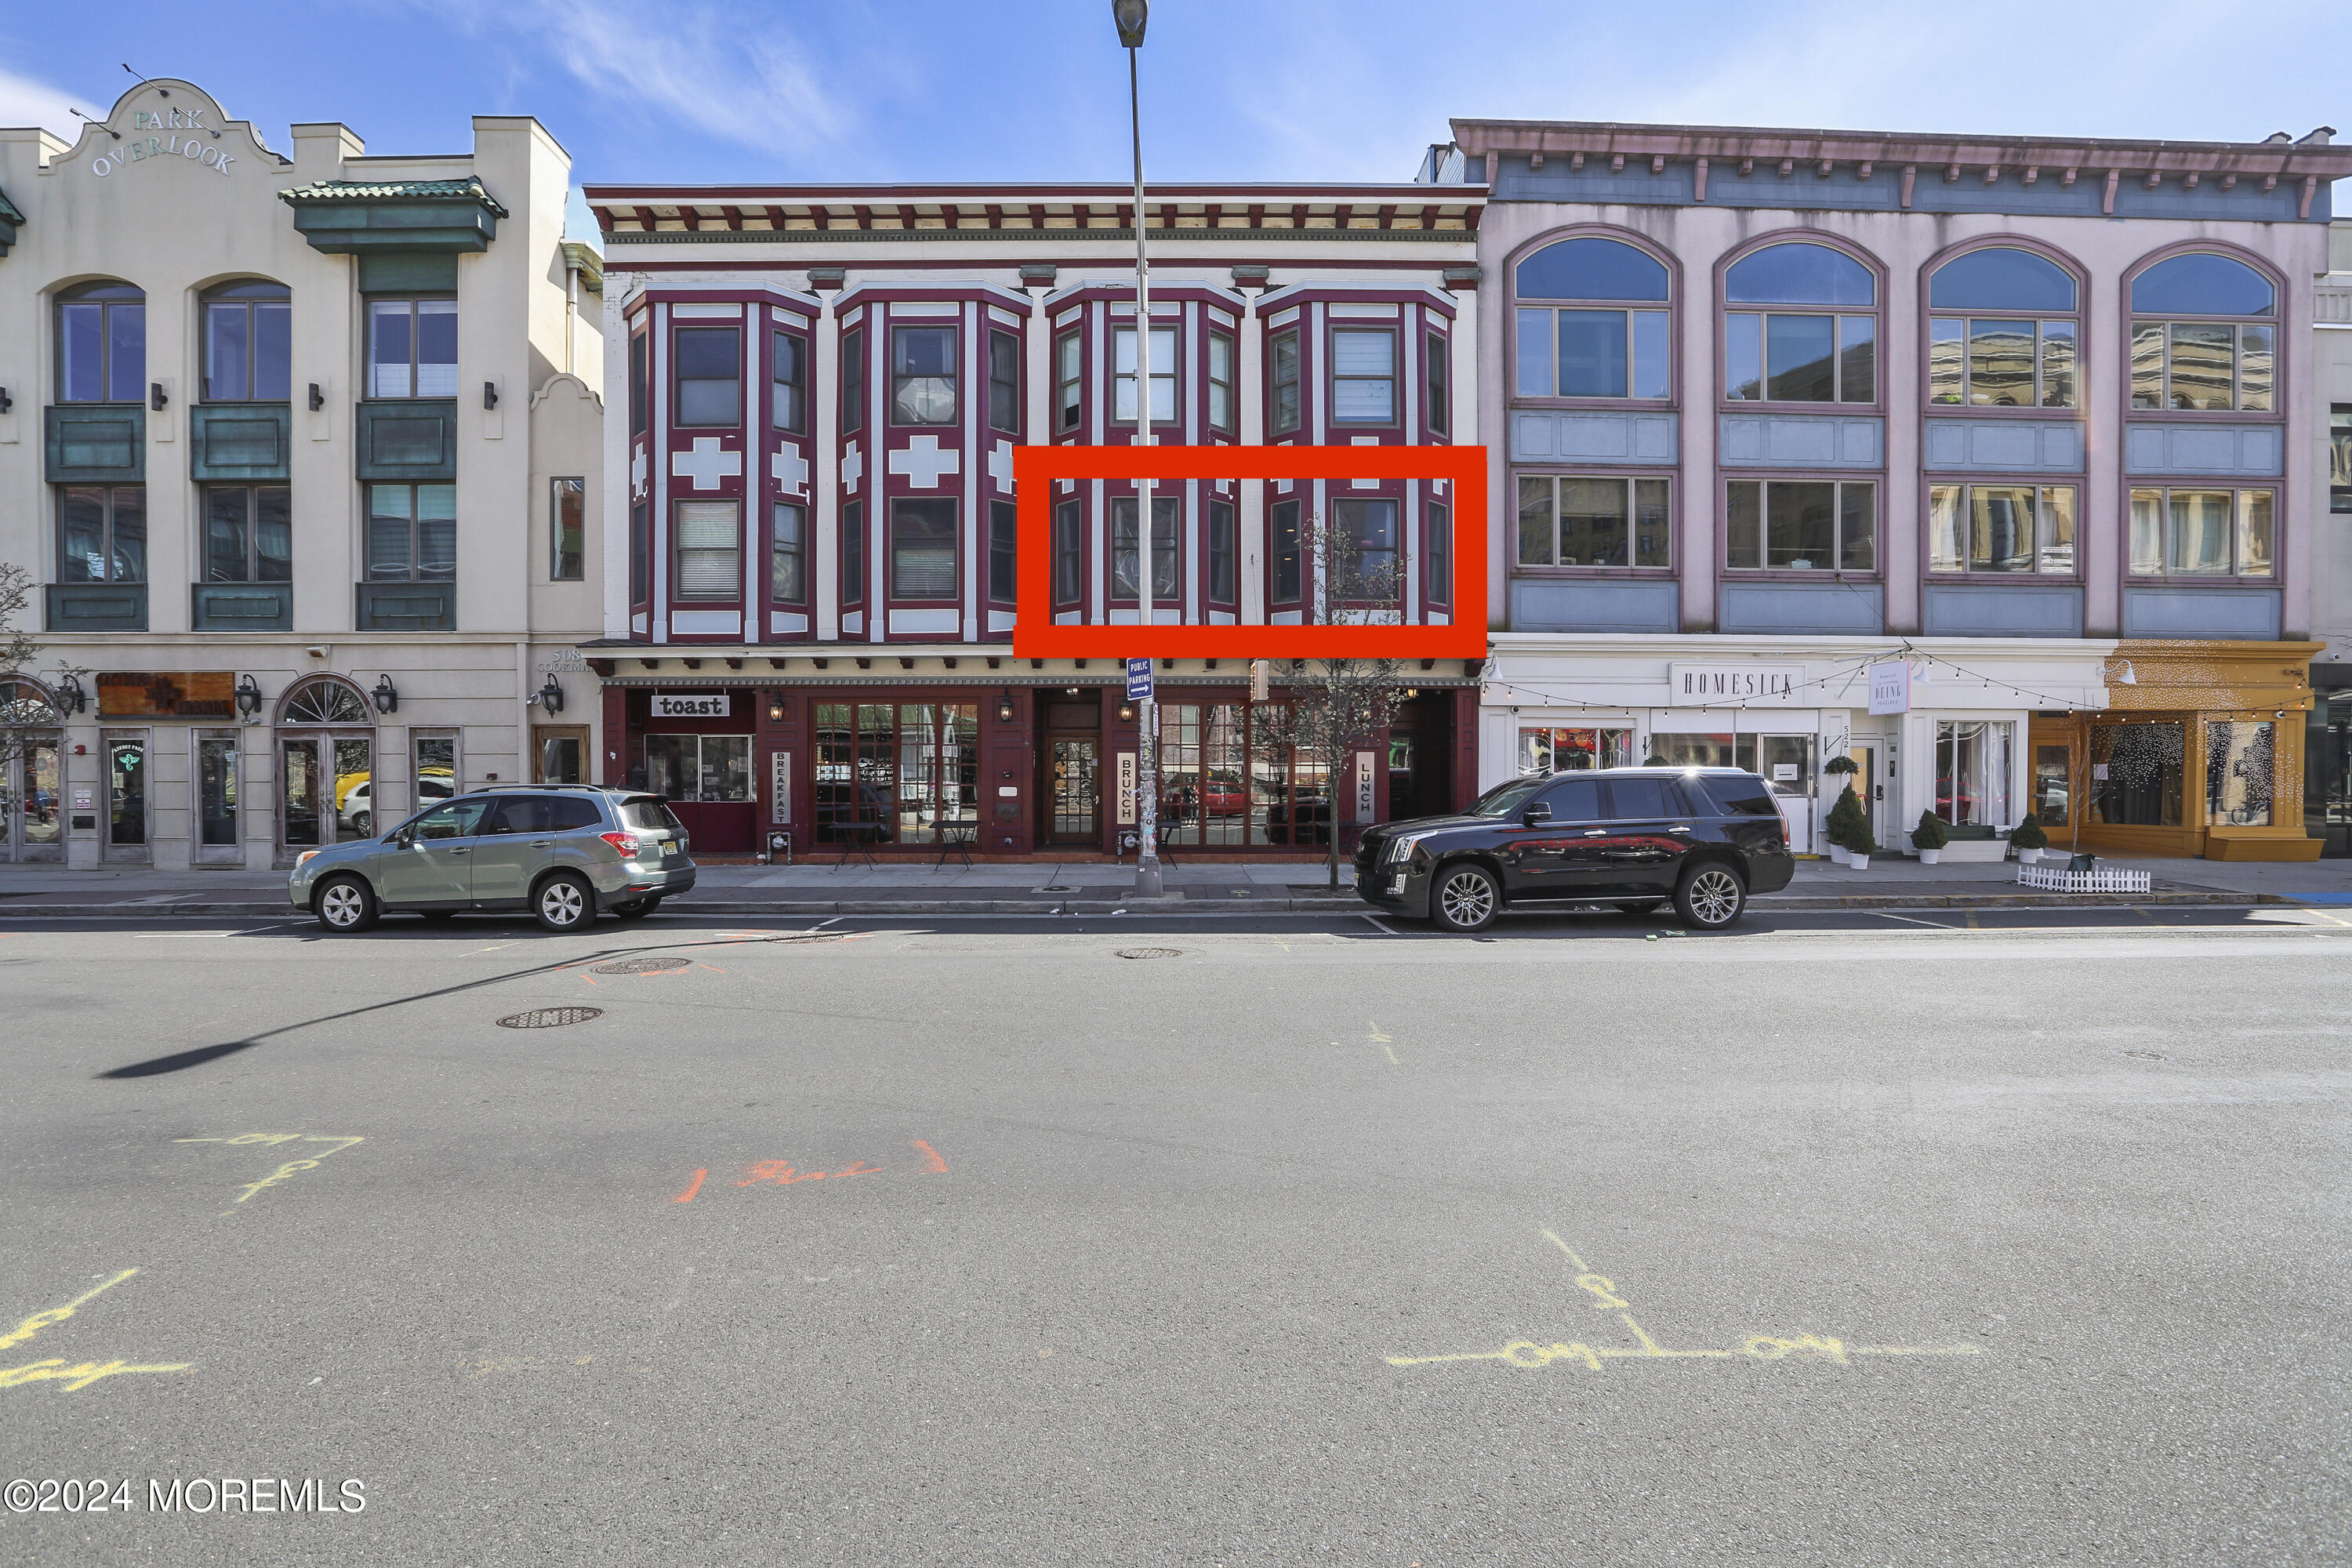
[[564, 852]]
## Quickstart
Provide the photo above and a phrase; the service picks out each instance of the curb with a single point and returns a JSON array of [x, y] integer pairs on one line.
[[833, 908]]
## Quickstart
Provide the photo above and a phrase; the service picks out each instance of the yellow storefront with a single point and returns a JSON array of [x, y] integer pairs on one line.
[[2199, 753]]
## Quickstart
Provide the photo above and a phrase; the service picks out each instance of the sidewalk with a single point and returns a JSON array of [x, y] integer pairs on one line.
[[826, 887]]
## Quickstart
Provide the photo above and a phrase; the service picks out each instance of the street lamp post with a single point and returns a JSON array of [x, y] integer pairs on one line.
[[1130, 16]]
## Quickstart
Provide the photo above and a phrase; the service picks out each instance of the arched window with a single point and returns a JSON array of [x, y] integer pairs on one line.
[[24, 705], [2204, 336], [2002, 330], [1581, 331], [324, 700], [1822, 347], [248, 342], [102, 344]]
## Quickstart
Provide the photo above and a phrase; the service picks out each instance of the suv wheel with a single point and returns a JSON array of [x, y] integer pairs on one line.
[[1465, 899], [564, 903], [1710, 896], [343, 904]]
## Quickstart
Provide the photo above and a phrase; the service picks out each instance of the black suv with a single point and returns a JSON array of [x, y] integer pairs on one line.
[[1635, 838]]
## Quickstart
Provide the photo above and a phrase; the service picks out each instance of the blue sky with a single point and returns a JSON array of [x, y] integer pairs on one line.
[[981, 90]]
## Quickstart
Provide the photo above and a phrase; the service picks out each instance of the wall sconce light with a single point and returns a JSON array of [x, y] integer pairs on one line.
[[157, 399], [317, 398], [2129, 676], [776, 711], [1005, 707], [489, 395], [387, 697], [550, 697], [6, 402], [248, 696], [1127, 712], [71, 698]]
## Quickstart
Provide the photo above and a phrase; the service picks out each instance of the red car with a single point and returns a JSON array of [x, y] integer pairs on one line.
[[1224, 797]]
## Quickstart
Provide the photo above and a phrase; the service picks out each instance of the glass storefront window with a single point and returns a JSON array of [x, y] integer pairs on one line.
[[217, 774], [1557, 749], [1224, 780], [2135, 774], [1972, 761], [2238, 772], [2052, 784], [1705, 750], [700, 767], [888, 773], [126, 820], [1787, 764]]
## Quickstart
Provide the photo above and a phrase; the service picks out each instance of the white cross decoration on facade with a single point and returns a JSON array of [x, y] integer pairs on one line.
[[852, 466], [637, 473], [1000, 466], [925, 461], [707, 465], [790, 471]]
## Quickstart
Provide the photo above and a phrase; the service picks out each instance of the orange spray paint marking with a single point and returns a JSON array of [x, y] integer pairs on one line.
[[858, 1168], [779, 1172], [692, 1187], [932, 1164]]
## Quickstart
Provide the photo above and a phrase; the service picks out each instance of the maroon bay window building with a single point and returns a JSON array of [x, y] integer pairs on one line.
[[815, 496]]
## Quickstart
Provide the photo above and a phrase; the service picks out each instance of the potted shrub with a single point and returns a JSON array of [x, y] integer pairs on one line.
[[1859, 844], [1848, 824], [1929, 838], [2028, 840], [1833, 833]]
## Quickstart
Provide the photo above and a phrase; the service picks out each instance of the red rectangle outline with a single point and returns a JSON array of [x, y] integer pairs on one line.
[[1034, 469]]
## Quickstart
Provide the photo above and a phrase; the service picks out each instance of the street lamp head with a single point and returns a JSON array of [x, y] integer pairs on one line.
[[1130, 15]]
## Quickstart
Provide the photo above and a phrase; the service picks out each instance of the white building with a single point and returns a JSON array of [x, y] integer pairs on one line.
[[300, 449]]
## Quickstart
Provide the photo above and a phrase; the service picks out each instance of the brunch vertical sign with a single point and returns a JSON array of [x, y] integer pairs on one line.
[[166, 134]]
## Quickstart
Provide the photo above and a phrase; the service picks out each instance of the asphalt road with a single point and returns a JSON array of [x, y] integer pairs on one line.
[[1845, 1238]]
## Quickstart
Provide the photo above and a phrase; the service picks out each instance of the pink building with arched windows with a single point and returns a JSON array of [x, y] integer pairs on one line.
[[1982, 461]]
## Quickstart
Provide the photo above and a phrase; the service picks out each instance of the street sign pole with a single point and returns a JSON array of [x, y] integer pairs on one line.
[[1147, 849]]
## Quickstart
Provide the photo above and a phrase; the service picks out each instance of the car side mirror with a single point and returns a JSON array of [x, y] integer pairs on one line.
[[1536, 813]]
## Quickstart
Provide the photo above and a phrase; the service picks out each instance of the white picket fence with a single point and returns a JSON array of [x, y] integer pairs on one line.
[[2097, 880]]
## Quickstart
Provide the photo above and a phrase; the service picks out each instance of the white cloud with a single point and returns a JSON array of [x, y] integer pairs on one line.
[[26, 101], [724, 71]]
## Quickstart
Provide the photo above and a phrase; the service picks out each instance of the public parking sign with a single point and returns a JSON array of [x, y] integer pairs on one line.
[[1138, 680]]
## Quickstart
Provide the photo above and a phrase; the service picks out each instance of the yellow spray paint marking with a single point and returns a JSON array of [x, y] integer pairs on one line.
[[54, 1369], [292, 1167], [1383, 1041], [1529, 1353], [56, 1315]]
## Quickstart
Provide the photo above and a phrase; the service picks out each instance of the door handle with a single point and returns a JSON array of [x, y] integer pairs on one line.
[[461, 849], [542, 843], [1678, 829], [1596, 833]]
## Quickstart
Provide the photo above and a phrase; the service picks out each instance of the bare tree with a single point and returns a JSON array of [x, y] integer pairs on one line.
[[18, 648], [1339, 706]]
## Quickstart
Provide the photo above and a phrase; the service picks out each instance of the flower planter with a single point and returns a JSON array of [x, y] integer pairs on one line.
[[1859, 862], [1838, 855], [1929, 857], [2029, 857]]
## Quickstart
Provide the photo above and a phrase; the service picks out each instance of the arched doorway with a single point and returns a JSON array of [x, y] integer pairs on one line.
[[326, 756], [32, 787]]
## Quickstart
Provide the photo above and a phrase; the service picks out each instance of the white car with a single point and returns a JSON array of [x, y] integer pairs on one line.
[[359, 810]]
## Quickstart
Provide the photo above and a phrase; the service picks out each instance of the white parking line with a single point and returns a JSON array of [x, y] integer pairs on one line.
[[1376, 920], [1934, 925]]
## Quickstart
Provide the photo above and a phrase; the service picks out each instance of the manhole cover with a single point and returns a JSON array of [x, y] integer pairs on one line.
[[550, 1017], [640, 966], [1151, 952]]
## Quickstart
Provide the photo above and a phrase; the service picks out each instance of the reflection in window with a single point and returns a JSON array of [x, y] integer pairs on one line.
[[1782, 358], [788, 554], [1367, 549], [249, 343], [1544, 749], [248, 535], [2001, 278], [412, 534], [2202, 534], [1586, 522], [2205, 366], [1589, 350], [2238, 772], [709, 375], [1163, 375], [2052, 785], [102, 344], [1282, 383], [1067, 553], [412, 348], [1123, 581], [2339, 457], [1972, 765], [1800, 525], [2000, 364], [2000, 528], [923, 376], [2135, 774], [1283, 561], [902, 773], [103, 533], [788, 373]]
